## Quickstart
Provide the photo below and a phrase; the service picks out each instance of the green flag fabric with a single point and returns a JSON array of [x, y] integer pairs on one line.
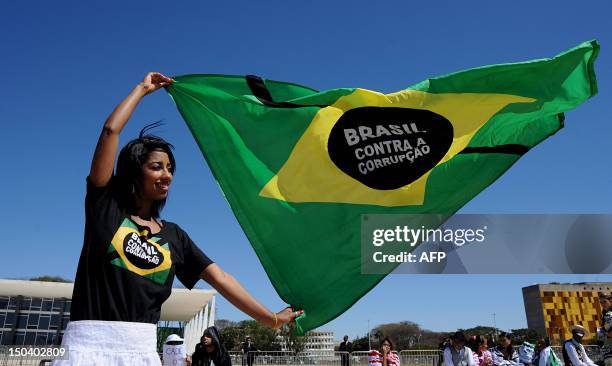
[[299, 167]]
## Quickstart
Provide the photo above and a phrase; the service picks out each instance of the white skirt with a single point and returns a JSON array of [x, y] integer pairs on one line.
[[106, 343]]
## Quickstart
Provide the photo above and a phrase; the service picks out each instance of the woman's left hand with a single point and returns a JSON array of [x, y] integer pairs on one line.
[[231, 289], [286, 316]]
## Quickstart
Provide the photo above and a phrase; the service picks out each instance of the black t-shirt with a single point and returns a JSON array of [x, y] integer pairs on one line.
[[125, 273]]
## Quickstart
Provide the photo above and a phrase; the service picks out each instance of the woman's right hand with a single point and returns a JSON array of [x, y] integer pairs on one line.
[[103, 161], [154, 80]]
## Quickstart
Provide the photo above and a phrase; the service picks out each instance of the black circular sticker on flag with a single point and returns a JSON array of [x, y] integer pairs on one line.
[[140, 252], [387, 148]]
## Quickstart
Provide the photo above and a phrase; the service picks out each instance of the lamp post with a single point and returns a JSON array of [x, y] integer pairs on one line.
[[369, 338], [495, 325]]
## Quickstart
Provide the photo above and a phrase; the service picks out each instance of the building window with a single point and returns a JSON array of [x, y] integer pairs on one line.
[[19, 338], [33, 321], [4, 301], [22, 321], [65, 321], [55, 320], [36, 303], [25, 303], [5, 338], [58, 304], [44, 322], [47, 304], [30, 338], [41, 339], [67, 305], [10, 320]]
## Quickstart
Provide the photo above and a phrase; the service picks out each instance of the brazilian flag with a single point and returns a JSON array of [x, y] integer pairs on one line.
[[299, 167]]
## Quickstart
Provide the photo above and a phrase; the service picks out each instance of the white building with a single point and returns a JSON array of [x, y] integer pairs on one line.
[[318, 343], [36, 313]]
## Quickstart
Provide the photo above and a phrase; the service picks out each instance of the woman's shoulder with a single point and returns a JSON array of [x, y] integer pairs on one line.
[[174, 229], [171, 225]]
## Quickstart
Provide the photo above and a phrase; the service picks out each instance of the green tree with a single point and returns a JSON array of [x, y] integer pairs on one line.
[[232, 337], [50, 279], [264, 338], [483, 331], [222, 323], [361, 344], [524, 335], [406, 335]]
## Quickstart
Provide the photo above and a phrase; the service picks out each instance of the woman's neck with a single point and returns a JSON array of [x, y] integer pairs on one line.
[[144, 210]]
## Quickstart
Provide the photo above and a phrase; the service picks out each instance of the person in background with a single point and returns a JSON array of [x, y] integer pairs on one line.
[[604, 333], [504, 354], [248, 350], [543, 355], [480, 351], [457, 354], [384, 357], [574, 353], [444, 342], [200, 345], [526, 353], [345, 346], [213, 352], [174, 352]]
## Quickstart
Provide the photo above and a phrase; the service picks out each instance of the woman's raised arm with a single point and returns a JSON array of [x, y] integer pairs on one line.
[[103, 161]]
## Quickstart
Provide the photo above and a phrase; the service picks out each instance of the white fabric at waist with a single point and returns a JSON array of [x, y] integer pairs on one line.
[[111, 336]]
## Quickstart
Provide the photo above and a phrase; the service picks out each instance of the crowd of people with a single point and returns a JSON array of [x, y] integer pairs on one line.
[[480, 351], [458, 350]]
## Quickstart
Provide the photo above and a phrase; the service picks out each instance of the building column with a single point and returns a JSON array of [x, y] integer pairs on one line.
[[211, 313]]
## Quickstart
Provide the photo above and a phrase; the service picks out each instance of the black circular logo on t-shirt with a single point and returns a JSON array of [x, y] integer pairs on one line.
[[387, 148], [141, 253]]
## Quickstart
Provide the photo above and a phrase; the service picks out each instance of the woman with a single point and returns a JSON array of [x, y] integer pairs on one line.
[[212, 352], [480, 351], [130, 256], [504, 354], [384, 357]]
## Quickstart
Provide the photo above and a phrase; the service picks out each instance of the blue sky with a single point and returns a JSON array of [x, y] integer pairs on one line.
[[66, 64]]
